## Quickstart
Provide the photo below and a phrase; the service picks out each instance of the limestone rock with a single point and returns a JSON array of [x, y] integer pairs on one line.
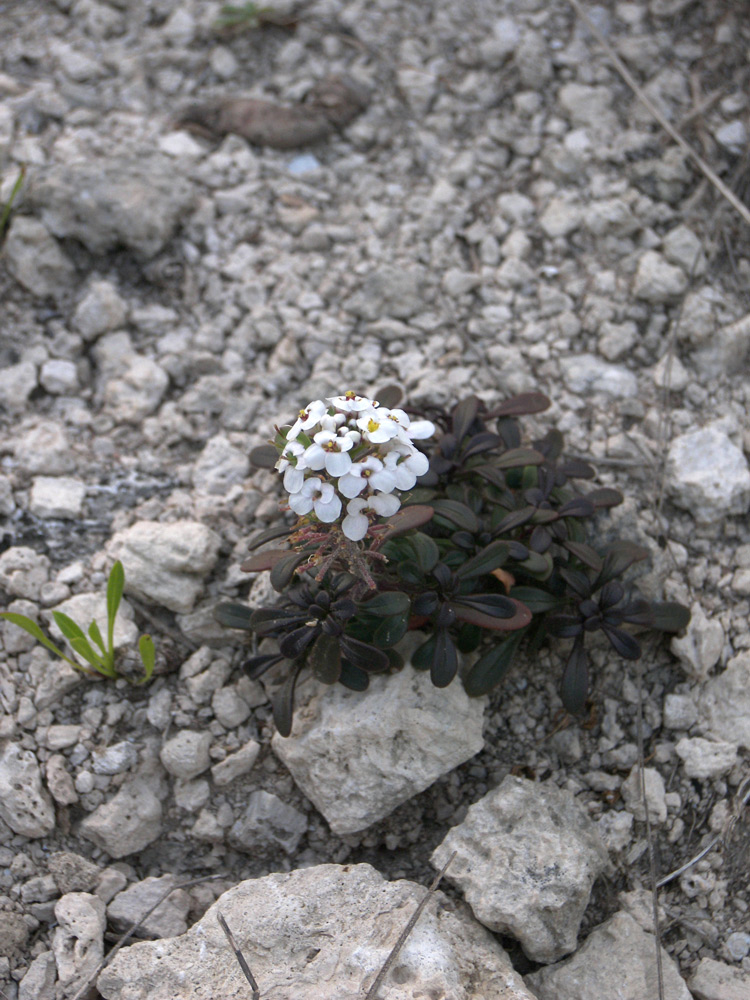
[[724, 703], [136, 202], [706, 759], [585, 373], [267, 821], [35, 259], [78, 941], [166, 921], [128, 822], [320, 932], [618, 951], [716, 981], [656, 280], [527, 858], [39, 981], [700, 648], [99, 311], [359, 755], [23, 572], [708, 475], [24, 804], [166, 563], [186, 754], [655, 794]]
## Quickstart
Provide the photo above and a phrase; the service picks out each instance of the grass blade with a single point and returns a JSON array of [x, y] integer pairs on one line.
[[33, 629], [115, 587]]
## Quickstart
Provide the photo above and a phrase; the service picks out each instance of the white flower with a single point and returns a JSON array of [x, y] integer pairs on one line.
[[328, 451], [292, 464], [376, 426], [356, 523], [307, 418], [369, 471], [318, 496], [400, 467], [350, 402]]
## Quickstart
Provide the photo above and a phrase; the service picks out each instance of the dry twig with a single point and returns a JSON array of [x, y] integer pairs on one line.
[[672, 132]]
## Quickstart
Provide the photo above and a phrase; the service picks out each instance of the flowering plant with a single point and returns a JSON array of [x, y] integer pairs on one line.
[[479, 540]]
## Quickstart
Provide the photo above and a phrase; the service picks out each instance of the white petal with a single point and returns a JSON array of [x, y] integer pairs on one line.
[[383, 480], [315, 457], [350, 485], [405, 478], [385, 504], [355, 526], [357, 506], [421, 429], [328, 510], [293, 480], [418, 463], [300, 503], [337, 463]]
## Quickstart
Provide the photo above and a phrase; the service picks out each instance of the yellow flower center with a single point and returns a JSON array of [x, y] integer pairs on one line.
[[372, 425]]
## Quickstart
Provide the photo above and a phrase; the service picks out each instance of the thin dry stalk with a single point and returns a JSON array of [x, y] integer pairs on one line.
[[741, 799], [672, 132], [239, 956], [649, 836], [373, 990]]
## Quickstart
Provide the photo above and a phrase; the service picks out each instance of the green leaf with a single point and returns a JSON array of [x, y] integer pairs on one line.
[[491, 668], [148, 656], [517, 457], [491, 557], [33, 629], [78, 641], [537, 565], [324, 659], [390, 631], [426, 552], [391, 602], [536, 600], [115, 587], [668, 616], [96, 635], [457, 514]]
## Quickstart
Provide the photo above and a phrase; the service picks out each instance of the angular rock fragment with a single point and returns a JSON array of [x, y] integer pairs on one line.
[[128, 822], [136, 202], [24, 804], [618, 952], [359, 755], [527, 859]]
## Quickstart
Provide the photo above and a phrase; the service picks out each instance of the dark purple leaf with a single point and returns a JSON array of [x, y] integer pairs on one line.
[[283, 569], [263, 560], [574, 687], [517, 457], [282, 701], [234, 615], [408, 518], [294, 643], [324, 659], [520, 405], [585, 554], [578, 507], [265, 456], [624, 644], [605, 497], [463, 416], [484, 441], [521, 618], [363, 655], [389, 396], [456, 513], [444, 660], [491, 668], [491, 557]]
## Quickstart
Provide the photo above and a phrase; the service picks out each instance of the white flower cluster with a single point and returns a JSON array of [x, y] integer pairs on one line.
[[349, 446]]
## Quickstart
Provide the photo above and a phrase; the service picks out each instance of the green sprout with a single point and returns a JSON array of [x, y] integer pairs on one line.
[[7, 208], [247, 15], [105, 661]]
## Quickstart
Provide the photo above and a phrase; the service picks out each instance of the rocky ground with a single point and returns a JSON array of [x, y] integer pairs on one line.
[[498, 214]]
